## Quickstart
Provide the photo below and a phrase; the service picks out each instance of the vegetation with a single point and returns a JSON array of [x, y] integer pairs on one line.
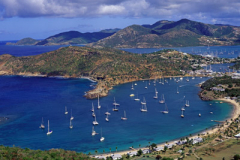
[[16, 153], [25, 41]]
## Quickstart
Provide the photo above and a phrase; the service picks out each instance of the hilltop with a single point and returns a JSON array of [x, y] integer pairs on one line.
[[171, 34], [108, 66]]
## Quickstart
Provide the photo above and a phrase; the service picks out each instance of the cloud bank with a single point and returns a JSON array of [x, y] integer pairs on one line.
[[219, 11]]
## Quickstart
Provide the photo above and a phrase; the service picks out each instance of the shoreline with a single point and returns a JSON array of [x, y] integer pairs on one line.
[[235, 114]]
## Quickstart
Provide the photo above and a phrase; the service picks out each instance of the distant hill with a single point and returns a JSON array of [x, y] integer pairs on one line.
[[25, 41], [66, 38], [171, 34]]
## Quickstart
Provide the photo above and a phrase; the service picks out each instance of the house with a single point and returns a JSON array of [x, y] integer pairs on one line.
[[132, 153], [101, 157], [159, 148], [218, 89], [146, 151], [197, 140], [116, 156]]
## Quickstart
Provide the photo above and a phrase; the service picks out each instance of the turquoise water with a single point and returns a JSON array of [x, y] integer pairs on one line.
[[26, 100]]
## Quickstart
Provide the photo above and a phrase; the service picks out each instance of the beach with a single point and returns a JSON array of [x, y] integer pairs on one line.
[[235, 114]]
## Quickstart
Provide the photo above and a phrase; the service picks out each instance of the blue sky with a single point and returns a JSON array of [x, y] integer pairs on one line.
[[40, 19]]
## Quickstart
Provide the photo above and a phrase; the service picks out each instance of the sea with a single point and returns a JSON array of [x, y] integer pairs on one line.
[[24, 101]]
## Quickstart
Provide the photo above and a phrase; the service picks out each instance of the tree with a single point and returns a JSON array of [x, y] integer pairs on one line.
[[110, 149], [139, 153], [236, 157], [153, 145], [116, 148], [96, 151], [158, 157]]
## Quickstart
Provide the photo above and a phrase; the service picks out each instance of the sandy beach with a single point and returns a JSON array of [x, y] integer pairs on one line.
[[235, 113]]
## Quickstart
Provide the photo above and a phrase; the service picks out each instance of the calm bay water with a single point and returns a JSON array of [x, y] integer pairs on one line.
[[26, 100]]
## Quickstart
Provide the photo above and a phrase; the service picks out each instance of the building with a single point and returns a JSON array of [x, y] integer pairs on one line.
[[159, 148], [116, 156], [146, 151], [132, 153]]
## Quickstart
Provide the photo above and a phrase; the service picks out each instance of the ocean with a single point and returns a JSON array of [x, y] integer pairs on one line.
[[25, 100]]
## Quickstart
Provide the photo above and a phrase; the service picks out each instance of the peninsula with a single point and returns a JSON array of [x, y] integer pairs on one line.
[[107, 66]]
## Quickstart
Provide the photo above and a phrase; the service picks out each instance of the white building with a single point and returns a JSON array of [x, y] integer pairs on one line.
[[116, 156], [132, 153]]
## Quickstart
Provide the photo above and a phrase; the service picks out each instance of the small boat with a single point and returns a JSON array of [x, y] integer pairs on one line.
[[193, 77], [70, 126], [131, 95], [49, 132], [199, 114], [162, 100], [177, 90], [182, 109], [93, 114], [102, 138], [71, 116], [132, 88], [144, 108], [107, 118], [107, 113], [146, 86], [187, 103], [42, 125], [95, 121], [135, 84], [93, 131], [181, 78], [166, 109], [137, 99], [187, 79], [144, 101], [182, 114], [221, 102], [125, 117], [115, 108], [211, 112], [99, 106], [115, 103], [66, 112]]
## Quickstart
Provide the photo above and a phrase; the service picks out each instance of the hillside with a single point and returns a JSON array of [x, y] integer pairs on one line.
[[25, 41], [171, 34], [67, 38], [108, 66]]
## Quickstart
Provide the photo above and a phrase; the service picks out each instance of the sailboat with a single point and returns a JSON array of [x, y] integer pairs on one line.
[[183, 109], [146, 86], [71, 116], [99, 106], [42, 125], [70, 126], [132, 88], [187, 103], [66, 112], [156, 95], [95, 122], [107, 118], [137, 99], [144, 101], [144, 108], [166, 109], [93, 131], [92, 108], [187, 79], [199, 114], [49, 132], [102, 138], [93, 114], [177, 90], [107, 113], [182, 114], [125, 117], [115, 103], [115, 108], [163, 100]]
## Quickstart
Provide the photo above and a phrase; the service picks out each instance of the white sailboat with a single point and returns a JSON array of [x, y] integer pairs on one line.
[[187, 103], [93, 131], [137, 99], [99, 106], [93, 114], [66, 112], [70, 126], [71, 116], [132, 88], [163, 100], [166, 109], [144, 108], [187, 79], [177, 90], [49, 132], [42, 125], [144, 101], [115, 103], [107, 118], [183, 109], [125, 117], [95, 121], [107, 113], [156, 95], [182, 114], [102, 138], [146, 86], [115, 108], [199, 115], [92, 108]]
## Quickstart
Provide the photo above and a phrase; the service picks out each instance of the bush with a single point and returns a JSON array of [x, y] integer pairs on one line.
[[236, 157]]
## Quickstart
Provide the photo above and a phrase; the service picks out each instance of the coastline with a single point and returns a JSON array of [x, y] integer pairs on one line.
[[235, 114]]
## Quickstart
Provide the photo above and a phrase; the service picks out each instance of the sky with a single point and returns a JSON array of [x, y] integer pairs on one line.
[[40, 19]]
